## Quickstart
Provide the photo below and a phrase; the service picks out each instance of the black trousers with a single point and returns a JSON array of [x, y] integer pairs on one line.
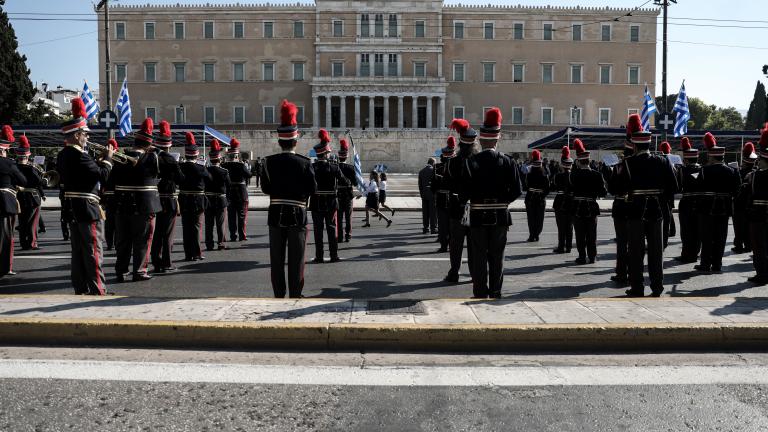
[[669, 224], [214, 218], [65, 221], [344, 220], [443, 227], [325, 220], [7, 223], [586, 236], [713, 231], [487, 244], [110, 220], [133, 237], [295, 239], [86, 269], [646, 236], [237, 220], [741, 229], [428, 214], [162, 240], [28, 220], [564, 221], [191, 225], [760, 248], [457, 234], [622, 248], [689, 233], [534, 209]]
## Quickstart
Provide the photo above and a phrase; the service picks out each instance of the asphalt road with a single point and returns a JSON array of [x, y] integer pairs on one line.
[[380, 262], [552, 404]]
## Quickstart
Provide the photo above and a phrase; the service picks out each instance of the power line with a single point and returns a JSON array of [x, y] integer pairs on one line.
[[716, 45], [57, 39]]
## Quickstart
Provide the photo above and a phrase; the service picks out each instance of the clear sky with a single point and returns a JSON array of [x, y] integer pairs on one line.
[[719, 59]]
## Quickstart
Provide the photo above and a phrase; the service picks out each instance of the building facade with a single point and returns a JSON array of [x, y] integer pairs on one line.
[[366, 64]]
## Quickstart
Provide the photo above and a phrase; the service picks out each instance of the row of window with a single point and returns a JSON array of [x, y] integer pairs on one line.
[[377, 29], [268, 115], [209, 71], [605, 73]]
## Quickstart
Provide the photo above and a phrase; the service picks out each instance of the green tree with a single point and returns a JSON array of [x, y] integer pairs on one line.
[[39, 114], [725, 119], [758, 109], [700, 111], [16, 89]]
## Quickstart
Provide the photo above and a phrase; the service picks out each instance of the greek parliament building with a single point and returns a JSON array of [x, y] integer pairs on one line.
[[395, 72]]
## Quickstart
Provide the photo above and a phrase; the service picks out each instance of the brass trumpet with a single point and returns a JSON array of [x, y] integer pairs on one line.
[[117, 156]]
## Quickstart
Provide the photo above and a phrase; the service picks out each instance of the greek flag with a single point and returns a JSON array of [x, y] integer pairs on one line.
[[648, 108], [683, 113], [358, 169], [91, 104], [123, 109]]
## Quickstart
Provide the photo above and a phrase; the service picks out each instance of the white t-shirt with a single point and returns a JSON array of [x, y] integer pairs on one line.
[[370, 187], [383, 185]]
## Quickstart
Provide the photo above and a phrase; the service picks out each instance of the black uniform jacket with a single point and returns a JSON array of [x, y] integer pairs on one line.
[[536, 184], [346, 192], [493, 181], [10, 176], [239, 173], [30, 196], [619, 208], [439, 185], [216, 187], [718, 183], [587, 185], [289, 180], [638, 176], [170, 177], [136, 185], [756, 187], [81, 174], [192, 187], [328, 178], [689, 187], [564, 197], [456, 183]]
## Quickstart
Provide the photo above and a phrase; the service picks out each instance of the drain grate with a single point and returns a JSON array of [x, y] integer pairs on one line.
[[396, 307]]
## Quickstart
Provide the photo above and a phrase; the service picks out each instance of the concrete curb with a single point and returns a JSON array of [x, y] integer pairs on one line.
[[437, 338]]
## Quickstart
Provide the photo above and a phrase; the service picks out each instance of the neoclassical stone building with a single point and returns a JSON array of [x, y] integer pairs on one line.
[[382, 65]]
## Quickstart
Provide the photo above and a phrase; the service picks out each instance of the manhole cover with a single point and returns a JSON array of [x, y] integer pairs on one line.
[[396, 307]]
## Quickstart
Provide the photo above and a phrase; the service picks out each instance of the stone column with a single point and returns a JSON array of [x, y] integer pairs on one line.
[[441, 113], [371, 116], [415, 111], [400, 113], [430, 124], [386, 111], [315, 112], [357, 112], [328, 112], [343, 112]]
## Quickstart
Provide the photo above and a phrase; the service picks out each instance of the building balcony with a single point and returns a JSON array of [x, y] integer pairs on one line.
[[382, 84]]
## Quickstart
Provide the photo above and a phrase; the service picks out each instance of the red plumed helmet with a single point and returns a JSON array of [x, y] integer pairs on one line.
[[324, 136], [215, 145], [23, 141], [492, 118], [578, 146], [113, 142], [7, 134], [634, 124], [234, 143], [763, 143], [288, 112], [565, 153], [78, 108], [748, 150], [685, 144], [535, 155], [165, 128], [460, 125], [665, 147], [709, 141], [147, 126], [190, 138], [343, 144], [451, 142]]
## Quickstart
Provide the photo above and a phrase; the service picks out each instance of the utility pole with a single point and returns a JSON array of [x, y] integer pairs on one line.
[[664, 4], [107, 67]]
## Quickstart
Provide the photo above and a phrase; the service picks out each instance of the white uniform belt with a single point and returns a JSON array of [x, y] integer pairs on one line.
[[536, 190], [136, 188], [81, 195], [8, 190], [583, 199], [325, 192], [760, 202], [108, 193], [215, 194], [691, 194], [647, 192], [238, 183], [443, 191], [289, 202], [716, 194], [488, 206], [169, 195], [183, 192]]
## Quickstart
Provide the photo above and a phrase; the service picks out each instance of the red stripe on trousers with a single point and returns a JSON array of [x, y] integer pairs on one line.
[[96, 266], [145, 263]]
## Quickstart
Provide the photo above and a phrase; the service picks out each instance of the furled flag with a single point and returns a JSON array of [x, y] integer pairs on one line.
[[123, 109], [357, 165], [648, 108], [91, 104], [683, 113]]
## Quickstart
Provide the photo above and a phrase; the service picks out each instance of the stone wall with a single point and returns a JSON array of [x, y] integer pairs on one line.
[[403, 151]]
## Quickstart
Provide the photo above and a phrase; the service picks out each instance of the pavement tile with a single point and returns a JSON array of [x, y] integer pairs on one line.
[[739, 314], [289, 311], [504, 312], [623, 312], [441, 312], [563, 312], [359, 315], [684, 313]]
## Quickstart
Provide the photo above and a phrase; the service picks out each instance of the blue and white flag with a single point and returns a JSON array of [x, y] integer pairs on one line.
[[648, 108], [356, 164], [683, 113], [123, 109], [91, 104]]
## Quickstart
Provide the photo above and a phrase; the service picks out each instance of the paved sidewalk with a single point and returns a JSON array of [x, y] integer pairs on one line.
[[455, 325]]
